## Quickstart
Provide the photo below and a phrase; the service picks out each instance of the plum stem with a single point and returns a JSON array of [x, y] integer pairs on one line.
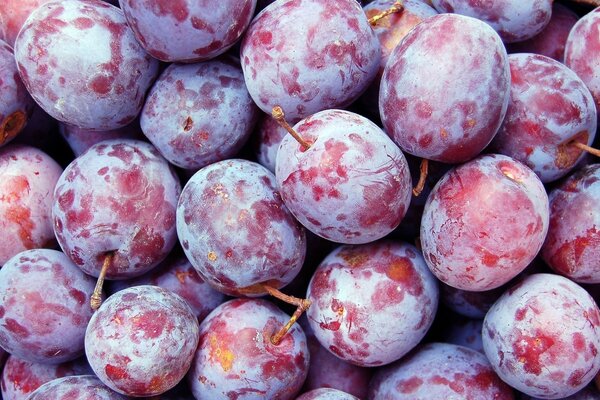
[[587, 148], [279, 116], [424, 170], [12, 125], [96, 299], [396, 7], [301, 304]]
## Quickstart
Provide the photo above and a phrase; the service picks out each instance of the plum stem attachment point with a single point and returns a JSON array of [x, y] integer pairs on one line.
[[12, 125], [396, 7], [96, 299], [585, 147], [424, 170], [301, 304], [279, 116]]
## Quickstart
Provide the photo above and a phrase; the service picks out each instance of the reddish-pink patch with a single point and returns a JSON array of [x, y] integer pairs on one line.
[[409, 385], [151, 323], [115, 373], [529, 349]]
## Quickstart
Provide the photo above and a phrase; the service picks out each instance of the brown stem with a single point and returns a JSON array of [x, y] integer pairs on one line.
[[279, 116], [396, 7], [96, 299], [587, 148], [12, 125], [301, 304], [422, 177]]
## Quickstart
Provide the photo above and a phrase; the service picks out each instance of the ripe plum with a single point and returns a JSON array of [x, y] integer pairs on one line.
[[187, 30], [581, 52], [118, 199], [141, 341], [81, 63], [542, 336], [309, 55], [236, 230], [20, 377], [352, 185], [484, 222], [236, 358], [27, 180], [572, 246], [513, 20], [439, 371], [549, 110], [433, 109], [199, 114], [372, 303], [43, 306]]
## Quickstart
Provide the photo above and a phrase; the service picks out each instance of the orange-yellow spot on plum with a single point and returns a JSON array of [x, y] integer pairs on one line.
[[399, 270], [443, 133], [221, 354], [212, 256]]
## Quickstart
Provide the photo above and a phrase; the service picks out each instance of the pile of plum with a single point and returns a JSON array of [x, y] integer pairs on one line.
[[299, 199]]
